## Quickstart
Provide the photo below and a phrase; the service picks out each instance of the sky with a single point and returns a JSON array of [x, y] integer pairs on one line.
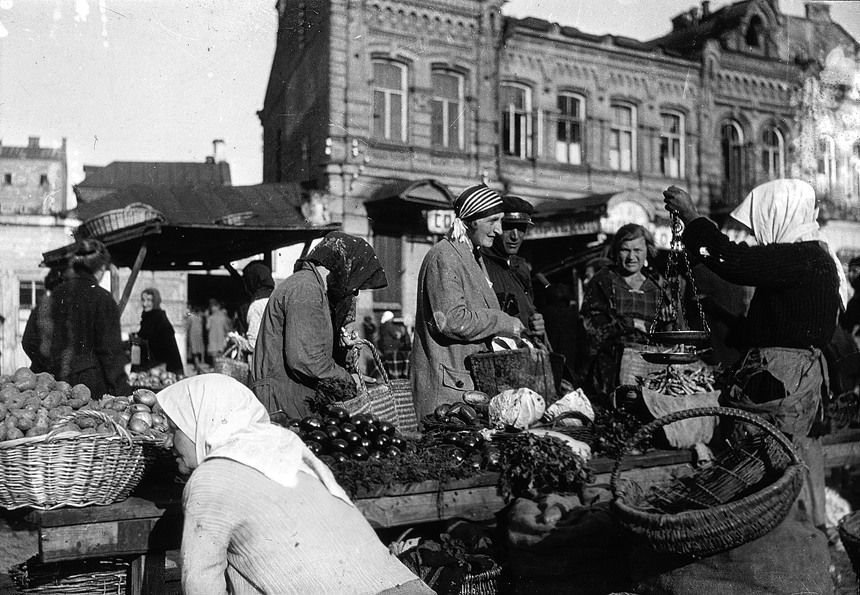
[[159, 80]]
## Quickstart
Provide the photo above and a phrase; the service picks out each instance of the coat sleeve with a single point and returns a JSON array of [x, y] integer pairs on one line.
[[308, 352], [168, 348], [108, 346], [774, 265], [451, 305], [31, 342], [206, 532]]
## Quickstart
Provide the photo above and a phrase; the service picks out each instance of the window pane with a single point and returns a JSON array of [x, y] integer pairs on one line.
[[387, 76], [513, 96], [671, 124], [623, 116], [379, 114], [454, 122], [396, 117], [25, 294], [446, 85], [437, 125]]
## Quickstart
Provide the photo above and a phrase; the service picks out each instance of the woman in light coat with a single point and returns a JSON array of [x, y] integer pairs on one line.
[[458, 312]]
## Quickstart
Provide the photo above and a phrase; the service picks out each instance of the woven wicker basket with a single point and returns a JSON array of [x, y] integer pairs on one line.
[[234, 368], [495, 371], [849, 533], [109, 221], [708, 529], [100, 577], [69, 468]]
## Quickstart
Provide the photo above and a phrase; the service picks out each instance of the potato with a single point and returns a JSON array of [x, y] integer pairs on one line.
[[81, 391], [3, 411], [33, 403], [69, 427], [26, 419], [61, 411], [45, 379], [9, 393], [87, 422], [88, 431], [24, 378], [37, 431], [107, 402], [63, 387], [11, 420], [76, 403], [54, 399], [14, 434]]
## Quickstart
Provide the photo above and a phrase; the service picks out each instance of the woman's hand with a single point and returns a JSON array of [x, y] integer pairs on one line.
[[678, 201]]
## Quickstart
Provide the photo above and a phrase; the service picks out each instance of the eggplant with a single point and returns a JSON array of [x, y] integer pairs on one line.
[[366, 443], [338, 413], [351, 438], [360, 454], [442, 410], [386, 428], [314, 447], [339, 445], [339, 457], [469, 442], [393, 452], [375, 454], [317, 436], [361, 421], [371, 430], [382, 441], [331, 431], [311, 423], [348, 427]]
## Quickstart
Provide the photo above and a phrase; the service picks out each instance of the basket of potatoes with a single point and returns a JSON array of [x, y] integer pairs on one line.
[[59, 447]]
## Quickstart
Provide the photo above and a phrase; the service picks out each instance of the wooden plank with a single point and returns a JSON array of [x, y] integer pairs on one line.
[[114, 538], [391, 511], [131, 508], [841, 454], [135, 271]]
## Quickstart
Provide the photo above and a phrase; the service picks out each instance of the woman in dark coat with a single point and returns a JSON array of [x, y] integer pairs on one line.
[[304, 318], [792, 314], [85, 343], [157, 331]]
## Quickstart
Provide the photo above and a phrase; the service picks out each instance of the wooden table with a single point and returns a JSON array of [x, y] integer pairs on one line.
[[148, 525]]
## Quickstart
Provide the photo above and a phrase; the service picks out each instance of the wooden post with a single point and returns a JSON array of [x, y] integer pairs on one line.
[[135, 270], [114, 282], [306, 248]]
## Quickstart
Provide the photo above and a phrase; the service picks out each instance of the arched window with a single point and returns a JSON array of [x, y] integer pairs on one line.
[[672, 144], [855, 170], [516, 104], [570, 128], [732, 145], [772, 152], [389, 100], [622, 137], [447, 106], [753, 34]]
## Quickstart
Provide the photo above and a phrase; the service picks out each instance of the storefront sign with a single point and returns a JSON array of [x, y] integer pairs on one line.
[[439, 220], [562, 228]]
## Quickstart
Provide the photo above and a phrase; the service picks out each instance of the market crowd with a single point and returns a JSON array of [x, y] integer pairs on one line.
[[474, 291]]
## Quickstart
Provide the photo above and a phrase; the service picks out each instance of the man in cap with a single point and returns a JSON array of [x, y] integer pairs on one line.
[[510, 273], [850, 318]]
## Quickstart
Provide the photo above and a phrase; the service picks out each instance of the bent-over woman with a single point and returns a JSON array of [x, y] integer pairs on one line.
[[261, 513]]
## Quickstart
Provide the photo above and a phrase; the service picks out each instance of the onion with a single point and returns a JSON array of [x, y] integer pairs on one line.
[[138, 426], [143, 416]]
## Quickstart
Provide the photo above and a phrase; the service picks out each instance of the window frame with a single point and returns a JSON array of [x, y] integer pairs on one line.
[[446, 102], [526, 144], [387, 95], [618, 130], [680, 137], [773, 158], [828, 160], [570, 121], [731, 177]]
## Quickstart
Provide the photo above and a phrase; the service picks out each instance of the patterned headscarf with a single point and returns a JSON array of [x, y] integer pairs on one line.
[[475, 202], [782, 212], [353, 265], [225, 420]]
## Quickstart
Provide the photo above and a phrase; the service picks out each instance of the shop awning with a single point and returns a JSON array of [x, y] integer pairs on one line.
[[399, 206], [558, 218], [197, 228]]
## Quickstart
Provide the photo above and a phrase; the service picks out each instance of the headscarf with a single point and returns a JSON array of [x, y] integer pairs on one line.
[[475, 202], [258, 280], [225, 420], [783, 212], [353, 265], [386, 316]]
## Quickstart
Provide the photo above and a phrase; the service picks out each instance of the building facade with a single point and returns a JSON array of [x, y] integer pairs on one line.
[[34, 179], [389, 108]]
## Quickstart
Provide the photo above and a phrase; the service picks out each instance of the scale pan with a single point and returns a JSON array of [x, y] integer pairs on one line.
[[681, 337], [659, 357]]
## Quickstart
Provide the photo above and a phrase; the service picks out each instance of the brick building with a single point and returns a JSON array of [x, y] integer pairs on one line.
[[389, 108]]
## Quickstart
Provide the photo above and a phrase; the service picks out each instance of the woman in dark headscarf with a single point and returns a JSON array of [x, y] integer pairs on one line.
[[158, 333], [259, 285], [304, 317]]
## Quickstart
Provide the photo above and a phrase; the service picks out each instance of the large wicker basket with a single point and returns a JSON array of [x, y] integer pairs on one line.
[[94, 576], [747, 494], [495, 371], [109, 221], [69, 468]]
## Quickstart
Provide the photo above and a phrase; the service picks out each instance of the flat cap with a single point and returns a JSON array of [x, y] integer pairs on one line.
[[517, 209]]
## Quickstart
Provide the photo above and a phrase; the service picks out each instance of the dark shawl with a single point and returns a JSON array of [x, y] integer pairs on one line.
[[159, 334], [353, 265]]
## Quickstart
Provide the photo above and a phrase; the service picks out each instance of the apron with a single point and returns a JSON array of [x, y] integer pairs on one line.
[[785, 386]]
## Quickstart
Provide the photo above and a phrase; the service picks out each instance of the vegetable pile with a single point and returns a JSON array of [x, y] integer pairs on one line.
[[34, 404], [156, 378], [679, 381], [531, 465]]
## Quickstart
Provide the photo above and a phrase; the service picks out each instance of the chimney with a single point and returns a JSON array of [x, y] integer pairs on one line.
[[210, 160], [33, 142], [218, 151], [706, 8], [818, 11]]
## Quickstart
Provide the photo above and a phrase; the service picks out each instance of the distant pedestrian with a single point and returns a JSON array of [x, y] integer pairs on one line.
[[195, 336], [218, 324]]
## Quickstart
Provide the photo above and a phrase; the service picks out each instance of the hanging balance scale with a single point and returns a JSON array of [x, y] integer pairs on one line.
[[686, 345]]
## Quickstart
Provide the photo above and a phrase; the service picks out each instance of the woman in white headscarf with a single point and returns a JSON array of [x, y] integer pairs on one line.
[[261, 513], [798, 285]]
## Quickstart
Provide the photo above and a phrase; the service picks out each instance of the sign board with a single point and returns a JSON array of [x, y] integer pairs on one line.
[[439, 220], [562, 228]]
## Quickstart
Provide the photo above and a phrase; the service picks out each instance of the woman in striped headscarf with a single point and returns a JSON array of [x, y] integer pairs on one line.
[[458, 312]]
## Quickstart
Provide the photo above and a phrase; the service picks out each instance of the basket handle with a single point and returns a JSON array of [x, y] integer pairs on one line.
[[650, 427], [118, 430], [376, 358]]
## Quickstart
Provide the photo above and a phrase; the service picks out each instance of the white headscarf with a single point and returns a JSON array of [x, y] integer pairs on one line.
[[225, 420], [782, 212]]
